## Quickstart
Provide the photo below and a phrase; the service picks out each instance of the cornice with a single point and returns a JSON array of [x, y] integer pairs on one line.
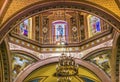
[[92, 39], [97, 52], [26, 53]]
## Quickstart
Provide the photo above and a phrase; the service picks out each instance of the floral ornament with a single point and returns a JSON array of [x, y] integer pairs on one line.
[[74, 29], [44, 29]]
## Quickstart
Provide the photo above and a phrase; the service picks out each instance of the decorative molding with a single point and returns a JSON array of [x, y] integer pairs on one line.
[[6, 61], [97, 51], [26, 53], [57, 51], [20, 48], [28, 44], [114, 56], [55, 48]]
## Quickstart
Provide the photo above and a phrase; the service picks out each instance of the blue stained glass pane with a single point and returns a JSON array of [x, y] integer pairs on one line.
[[98, 26], [24, 27], [26, 32]]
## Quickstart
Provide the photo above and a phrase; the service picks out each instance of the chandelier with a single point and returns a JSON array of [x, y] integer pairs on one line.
[[66, 68]]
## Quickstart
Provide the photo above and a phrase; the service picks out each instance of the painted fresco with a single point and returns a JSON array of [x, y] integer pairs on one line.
[[19, 62], [103, 62]]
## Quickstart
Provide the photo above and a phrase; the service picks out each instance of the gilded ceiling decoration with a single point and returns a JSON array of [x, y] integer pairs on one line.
[[110, 5], [84, 75], [17, 5], [41, 45]]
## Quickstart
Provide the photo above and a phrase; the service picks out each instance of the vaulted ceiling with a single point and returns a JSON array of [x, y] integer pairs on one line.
[[14, 6], [9, 8]]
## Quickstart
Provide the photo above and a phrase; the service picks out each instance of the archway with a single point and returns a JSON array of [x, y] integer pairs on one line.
[[103, 77], [117, 64], [115, 58], [36, 8]]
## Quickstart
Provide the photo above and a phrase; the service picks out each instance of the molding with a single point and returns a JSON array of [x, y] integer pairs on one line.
[[103, 77], [114, 55], [88, 43], [1, 68], [103, 42], [97, 51], [6, 61], [26, 53], [9, 59], [102, 34]]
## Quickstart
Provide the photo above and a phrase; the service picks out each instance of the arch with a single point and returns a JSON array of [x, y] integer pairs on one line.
[[97, 51], [103, 77], [59, 31], [36, 8], [5, 61], [115, 51], [118, 61], [26, 53]]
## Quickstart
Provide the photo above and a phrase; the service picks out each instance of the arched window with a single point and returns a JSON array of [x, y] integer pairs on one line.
[[93, 25], [59, 31], [26, 27]]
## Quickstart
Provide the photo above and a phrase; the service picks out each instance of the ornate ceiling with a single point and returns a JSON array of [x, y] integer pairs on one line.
[[18, 5], [45, 75], [14, 7]]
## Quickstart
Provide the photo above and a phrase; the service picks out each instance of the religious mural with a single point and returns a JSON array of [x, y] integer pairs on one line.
[[59, 31], [103, 61], [19, 62]]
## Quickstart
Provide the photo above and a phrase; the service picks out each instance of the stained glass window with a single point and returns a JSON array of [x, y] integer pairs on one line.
[[93, 25], [25, 27], [59, 31]]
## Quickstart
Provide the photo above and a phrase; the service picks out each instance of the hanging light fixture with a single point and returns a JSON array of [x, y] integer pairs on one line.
[[66, 67]]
